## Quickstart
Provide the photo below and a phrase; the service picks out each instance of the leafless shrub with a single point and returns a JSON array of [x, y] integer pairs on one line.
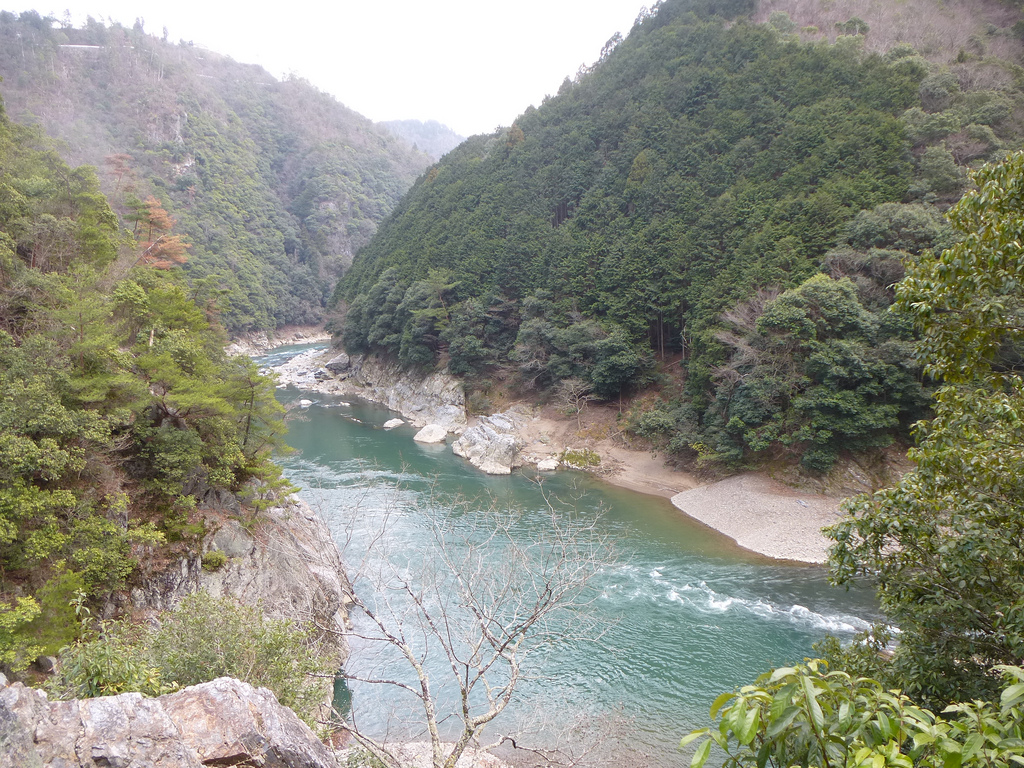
[[476, 599]]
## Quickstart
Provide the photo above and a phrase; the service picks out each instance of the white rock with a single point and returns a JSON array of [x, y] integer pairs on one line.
[[488, 449], [392, 423], [432, 433], [548, 465], [434, 399], [305, 403], [339, 364]]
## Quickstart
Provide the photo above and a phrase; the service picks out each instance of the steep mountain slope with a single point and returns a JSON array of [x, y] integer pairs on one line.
[[120, 412], [679, 202], [274, 184]]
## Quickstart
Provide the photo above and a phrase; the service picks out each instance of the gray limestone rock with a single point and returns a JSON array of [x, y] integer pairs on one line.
[[223, 722], [288, 563], [492, 445], [434, 399], [437, 398], [339, 364]]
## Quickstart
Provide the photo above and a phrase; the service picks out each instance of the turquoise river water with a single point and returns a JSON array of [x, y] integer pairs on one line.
[[687, 614]]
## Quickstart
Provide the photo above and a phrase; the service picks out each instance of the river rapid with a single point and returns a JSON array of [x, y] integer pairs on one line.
[[686, 614]]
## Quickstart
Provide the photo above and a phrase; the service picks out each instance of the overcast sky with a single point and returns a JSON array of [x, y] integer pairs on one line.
[[471, 64]]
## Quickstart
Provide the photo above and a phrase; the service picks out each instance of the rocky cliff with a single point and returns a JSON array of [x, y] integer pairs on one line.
[[287, 562], [224, 722], [435, 398]]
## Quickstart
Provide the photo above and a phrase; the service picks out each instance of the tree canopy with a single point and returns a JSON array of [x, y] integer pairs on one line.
[[704, 170], [944, 544], [273, 184], [119, 409]]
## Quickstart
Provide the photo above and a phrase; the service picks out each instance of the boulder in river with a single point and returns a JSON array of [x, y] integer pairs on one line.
[[432, 433], [339, 364], [392, 423], [492, 445]]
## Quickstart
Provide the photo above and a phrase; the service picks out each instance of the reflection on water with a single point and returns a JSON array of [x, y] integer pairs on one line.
[[688, 614]]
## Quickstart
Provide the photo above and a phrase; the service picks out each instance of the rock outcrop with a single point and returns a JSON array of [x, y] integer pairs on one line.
[[258, 342], [223, 722], [432, 433], [287, 562], [437, 398], [493, 444], [339, 364]]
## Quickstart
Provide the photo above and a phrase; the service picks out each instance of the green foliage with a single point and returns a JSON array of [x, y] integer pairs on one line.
[[111, 659], [214, 560], [696, 158], [201, 640], [943, 545], [805, 715], [580, 458], [57, 624], [362, 758], [811, 371], [117, 402], [209, 637], [624, 221], [274, 183], [16, 650]]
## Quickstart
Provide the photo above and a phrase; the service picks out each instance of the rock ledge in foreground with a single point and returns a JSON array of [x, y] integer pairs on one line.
[[223, 722]]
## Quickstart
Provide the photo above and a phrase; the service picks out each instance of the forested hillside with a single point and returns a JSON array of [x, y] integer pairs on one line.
[[119, 410], [718, 207], [430, 137], [273, 184]]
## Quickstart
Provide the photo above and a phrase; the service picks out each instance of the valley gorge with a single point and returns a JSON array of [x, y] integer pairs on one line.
[[705, 365]]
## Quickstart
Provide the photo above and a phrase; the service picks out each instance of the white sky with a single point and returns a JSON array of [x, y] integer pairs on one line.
[[471, 64]]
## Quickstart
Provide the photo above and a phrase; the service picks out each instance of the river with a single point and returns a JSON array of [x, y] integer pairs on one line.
[[686, 613]]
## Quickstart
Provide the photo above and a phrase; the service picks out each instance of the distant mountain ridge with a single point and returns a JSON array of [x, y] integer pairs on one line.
[[432, 137], [274, 183]]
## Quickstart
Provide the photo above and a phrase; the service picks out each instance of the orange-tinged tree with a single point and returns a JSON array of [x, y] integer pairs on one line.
[[160, 248]]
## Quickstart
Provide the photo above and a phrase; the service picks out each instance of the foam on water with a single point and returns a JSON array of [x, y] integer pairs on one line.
[[698, 596]]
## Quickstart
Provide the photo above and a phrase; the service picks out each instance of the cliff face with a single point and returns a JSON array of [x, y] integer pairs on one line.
[[224, 722], [288, 563], [435, 398]]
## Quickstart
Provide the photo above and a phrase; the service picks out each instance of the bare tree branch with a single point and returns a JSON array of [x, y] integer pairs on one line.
[[464, 613]]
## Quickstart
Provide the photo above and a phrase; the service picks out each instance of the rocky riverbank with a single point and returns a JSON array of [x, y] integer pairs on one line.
[[258, 342], [437, 398], [760, 514], [285, 561], [223, 722]]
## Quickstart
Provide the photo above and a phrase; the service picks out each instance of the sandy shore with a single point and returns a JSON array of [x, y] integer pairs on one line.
[[764, 516], [756, 512]]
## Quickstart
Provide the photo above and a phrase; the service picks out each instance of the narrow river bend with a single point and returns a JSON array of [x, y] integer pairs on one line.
[[690, 614]]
